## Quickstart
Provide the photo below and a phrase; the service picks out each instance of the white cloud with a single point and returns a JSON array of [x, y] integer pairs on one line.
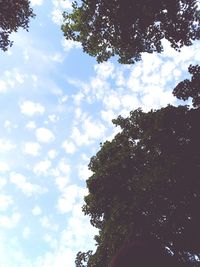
[[104, 70], [44, 135], [69, 45], [52, 154], [167, 69], [64, 4], [91, 131], [5, 201], [58, 258], [52, 242], [59, 7], [4, 166], [42, 167], [112, 101], [130, 102], [57, 16], [155, 98], [26, 187], [31, 125], [83, 172], [57, 57], [62, 182], [6, 145], [10, 125], [3, 86], [61, 173], [32, 148], [36, 2], [74, 236], [64, 167], [99, 88], [19, 77], [108, 115], [46, 223], [36, 211], [26, 232], [10, 221], [3, 182], [53, 118], [7, 124], [69, 147], [64, 99], [78, 98], [30, 108], [69, 196]]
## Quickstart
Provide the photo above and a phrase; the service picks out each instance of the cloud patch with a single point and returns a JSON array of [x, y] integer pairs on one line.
[[4, 167], [30, 108], [6, 145], [36, 2], [10, 221], [32, 148], [26, 187], [44, 135], [69, 147], [42, 167], [5, 201]]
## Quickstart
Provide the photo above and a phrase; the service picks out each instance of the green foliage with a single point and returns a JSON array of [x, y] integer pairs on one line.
[[145, 183], [13, 14], [127, 28], [190, 88]]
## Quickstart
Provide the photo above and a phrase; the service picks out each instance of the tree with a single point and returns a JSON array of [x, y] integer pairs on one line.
[[13, 14], [146, 184], [127, 28]]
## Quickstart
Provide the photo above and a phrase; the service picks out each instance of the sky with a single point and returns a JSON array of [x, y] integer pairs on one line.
[[57, 106]]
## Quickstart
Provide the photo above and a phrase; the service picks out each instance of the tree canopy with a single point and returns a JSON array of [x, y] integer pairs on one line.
[[13, 14], [145, 183], [127, 28]]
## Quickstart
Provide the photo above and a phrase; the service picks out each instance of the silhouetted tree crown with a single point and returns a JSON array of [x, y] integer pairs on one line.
[[127, 28], [13, 15], [145, 183]]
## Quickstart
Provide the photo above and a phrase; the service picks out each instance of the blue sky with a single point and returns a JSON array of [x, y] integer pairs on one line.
[[57, 104]]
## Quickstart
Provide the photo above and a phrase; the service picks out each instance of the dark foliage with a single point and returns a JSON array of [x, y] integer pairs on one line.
[[127, 28], [13, 14], [146, 184], [143, 253], [190, 88]]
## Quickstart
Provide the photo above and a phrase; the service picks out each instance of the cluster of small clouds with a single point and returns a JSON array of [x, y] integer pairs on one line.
[[10, 79], [147, 84], [27, 188], [71, 239]]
